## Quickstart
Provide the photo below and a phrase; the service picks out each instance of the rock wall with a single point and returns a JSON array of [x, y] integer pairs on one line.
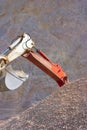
[[59, 28]]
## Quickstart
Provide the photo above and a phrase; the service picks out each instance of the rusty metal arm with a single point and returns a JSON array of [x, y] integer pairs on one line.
[[45, 64]]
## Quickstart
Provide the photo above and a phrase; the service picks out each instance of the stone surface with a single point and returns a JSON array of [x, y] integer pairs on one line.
[[59, 28], [65, 109]]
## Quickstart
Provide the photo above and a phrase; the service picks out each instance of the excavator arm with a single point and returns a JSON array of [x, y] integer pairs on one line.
[[25, 47], [45, 64]]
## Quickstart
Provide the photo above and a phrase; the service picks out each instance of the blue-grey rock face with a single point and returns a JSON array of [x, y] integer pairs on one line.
[[59, 28]]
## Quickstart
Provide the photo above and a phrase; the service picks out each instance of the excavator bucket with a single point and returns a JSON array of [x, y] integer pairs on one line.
[[13, 78], [25, 47]]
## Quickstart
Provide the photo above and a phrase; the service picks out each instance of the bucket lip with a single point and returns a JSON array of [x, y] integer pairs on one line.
[[12, 82], [14, 78]]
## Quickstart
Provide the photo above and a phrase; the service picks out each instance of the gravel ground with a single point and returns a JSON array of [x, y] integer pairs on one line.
[[65, 109], [59, 29]]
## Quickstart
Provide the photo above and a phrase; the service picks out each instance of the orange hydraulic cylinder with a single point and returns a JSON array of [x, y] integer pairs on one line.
[[45, 64]]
